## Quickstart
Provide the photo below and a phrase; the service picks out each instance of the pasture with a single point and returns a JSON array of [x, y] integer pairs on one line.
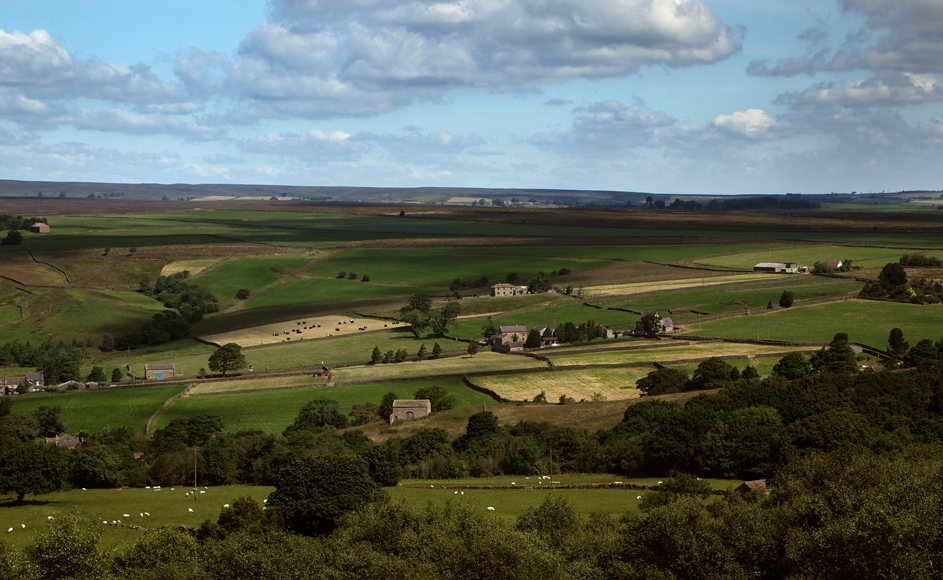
[[483, 362], [258, 384], [551, 316], [439, 266], [809, 255], [865, 321], [272, 411], [311, 290], [581, 384], [665, 285], [67, 318], [90, 411], [193, 266], [17, 265], [249, 273]]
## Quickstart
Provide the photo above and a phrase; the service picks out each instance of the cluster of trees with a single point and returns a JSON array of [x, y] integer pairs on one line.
[[823, 268], [418, 314], [352, 276], [920, 261], [191, 301], [734, 203], [59, 362], [892, 283], [402, 354], [162, 328], [459, 284], [10, 222]]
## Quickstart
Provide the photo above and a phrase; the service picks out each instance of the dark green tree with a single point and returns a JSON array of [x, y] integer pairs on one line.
[[19, 426], [386, 406], [376, 356], [533, 339], [490, 329], [793, 366], [892, 276], [227, 358], [750, 372], [48, 418], [420, 302], [363, 414], [422, 352], [439, 397], [436, 350], [242, 515], [445, 317], [786, 299], [14, 238], [67, 551], [317, 414], [97, 375], [31, 468], [472, 348], [107, 344], [713, 372], [312, 493], [837, 357], [896, 345], [242, 294], [662, 382], [116, 375]]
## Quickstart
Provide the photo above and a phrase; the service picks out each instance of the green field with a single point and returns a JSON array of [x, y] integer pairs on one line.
[[809, 255], [324, 290], [865, 321], [272, 411], [581, 385], [90, 411], [736, 297], [690, 351], [439, 266], [80, 321], [249, 273]]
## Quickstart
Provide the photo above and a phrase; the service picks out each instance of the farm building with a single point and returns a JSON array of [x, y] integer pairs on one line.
[[8, 384], [511, 338], [871, 366], [751, 486], [36, 382], [39, 228], [63, 440], [834, 264], [664, 324], [504, 289], [777, 267], [159, 372], [409, 409], [937, 285]]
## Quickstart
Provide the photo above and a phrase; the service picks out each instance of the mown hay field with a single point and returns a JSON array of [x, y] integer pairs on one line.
[[273, 411], [91, 411], [866, 321], [309, 327], [483, 362], [194, 267], [579, 384], [664, 285], [695, 350]]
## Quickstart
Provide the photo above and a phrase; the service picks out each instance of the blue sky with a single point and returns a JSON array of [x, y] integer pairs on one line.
[[674, 96]]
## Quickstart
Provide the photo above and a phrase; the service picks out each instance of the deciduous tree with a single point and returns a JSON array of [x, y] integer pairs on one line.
[[227, 358]]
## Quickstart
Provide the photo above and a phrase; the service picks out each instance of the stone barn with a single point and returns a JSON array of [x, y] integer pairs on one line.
[[39, 228], [160, 372], [409, 409]]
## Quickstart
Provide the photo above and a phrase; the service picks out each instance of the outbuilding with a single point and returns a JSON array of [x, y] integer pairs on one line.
[[409, 409], [39, 228]]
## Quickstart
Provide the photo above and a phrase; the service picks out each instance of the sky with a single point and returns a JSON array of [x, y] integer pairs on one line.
[[665, 96]]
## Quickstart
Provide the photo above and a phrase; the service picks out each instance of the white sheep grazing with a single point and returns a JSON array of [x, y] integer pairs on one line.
[[83, 489], [456, 493], [147, 514], [490, 509], [463, 493], [114, 523], [512, 483], [141, 514], [264, 501], [201, 491], [191, 510], [638, 497], [659, 483], [225, 505], [126, 516], [10, 530], [23, 526], [50, 518], [104, 523]]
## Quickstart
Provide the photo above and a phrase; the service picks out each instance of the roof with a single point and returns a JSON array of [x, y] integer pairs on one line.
[[756, 484], [34, 376], [512, 329], [159, 367], [666, 322], [411, 403], [770, 265], [504, 285]]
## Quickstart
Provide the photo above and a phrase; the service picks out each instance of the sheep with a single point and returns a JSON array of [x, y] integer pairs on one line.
[[456, 493], [512, 483], [83, 489], [463, 493], [659, 483], [190, 510], [50, 518], [141, 514], [126, 516], [201, 491], [147, 515], [104, 523], [490, 509], [23, 526], [265, 501], [638, 497], [114, 523], [225, 505], [10, 530]]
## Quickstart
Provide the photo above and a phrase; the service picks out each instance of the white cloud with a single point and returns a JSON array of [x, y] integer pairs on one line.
[[749, 124], [322, 58], [313, 145], [892, 90]]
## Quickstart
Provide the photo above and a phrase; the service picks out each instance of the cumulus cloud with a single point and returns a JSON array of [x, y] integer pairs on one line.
[[749, 124], [898, 35], [607, 128], [892, 90], [417, 147], [326, 57]]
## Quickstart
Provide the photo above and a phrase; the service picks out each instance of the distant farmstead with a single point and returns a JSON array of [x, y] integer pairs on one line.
[[39, 228], [159, 372], [511, 338], [409, 409], [777, 267], [504, 289]]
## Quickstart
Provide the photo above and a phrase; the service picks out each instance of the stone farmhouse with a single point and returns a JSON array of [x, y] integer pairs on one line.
[[504, 289], [777, 267], [665, 324], [409, 409], [510, 339]]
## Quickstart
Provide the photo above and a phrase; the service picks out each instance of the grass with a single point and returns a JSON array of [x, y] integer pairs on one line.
[[324, 290], [865, 321], [167, 507], [90, 411], [666, 285], [248, 273], [484, 362], [737, 297], [193, 266], [579, 384], [809, 255], [439, 266], [76, 320], [16, 264], [272, 411], [119, 297]]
